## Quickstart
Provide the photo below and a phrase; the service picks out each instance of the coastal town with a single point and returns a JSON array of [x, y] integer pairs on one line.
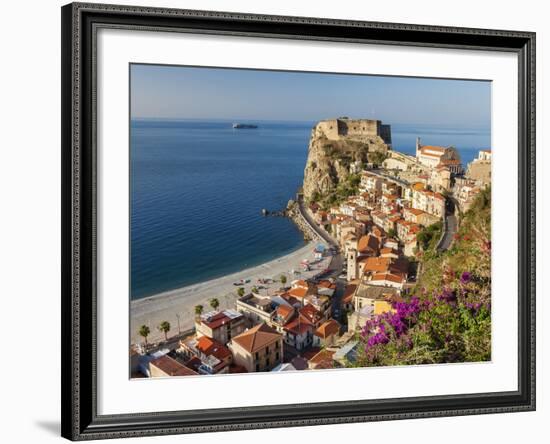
[[369, 212]]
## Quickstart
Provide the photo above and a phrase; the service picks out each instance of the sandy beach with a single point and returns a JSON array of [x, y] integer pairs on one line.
[[167, 306]]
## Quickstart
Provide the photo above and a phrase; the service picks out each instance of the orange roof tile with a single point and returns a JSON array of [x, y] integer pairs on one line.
[[388, 277], [326, 284], [328, 328], [310, 314], [299, 292], [211, 347], [172, 367], [376, 264], [322, 356], [257, 338], [368, 242], [298, 327]]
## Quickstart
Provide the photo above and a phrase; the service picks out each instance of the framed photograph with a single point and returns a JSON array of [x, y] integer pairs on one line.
[[278, 221]]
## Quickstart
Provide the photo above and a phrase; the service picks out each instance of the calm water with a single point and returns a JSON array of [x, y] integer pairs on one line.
[[197, 189]]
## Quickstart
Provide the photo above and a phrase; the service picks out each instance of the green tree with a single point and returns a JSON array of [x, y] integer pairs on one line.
[[377, 157], [165, 328], [254, 289], [283, 279], [144, 331], [198, 310], [392, 232], [214, 303], [240, 292]]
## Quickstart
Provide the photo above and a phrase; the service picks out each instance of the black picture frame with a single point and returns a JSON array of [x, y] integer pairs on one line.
[[80, 22]]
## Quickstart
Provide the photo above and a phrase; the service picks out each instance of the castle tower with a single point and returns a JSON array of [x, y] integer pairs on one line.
[[418, 146]]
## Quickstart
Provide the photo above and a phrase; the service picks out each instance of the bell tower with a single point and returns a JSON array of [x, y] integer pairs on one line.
[[418, 147]]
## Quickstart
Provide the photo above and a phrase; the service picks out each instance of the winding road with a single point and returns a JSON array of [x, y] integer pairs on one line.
[[451, 226]]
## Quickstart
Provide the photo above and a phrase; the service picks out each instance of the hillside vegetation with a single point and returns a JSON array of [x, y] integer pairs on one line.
[[447, 317]]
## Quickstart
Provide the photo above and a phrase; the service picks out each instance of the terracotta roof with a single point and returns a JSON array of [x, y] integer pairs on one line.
[[257, 338], [172, 367], [310, 352], [285, 312], [368, 242], [327, 329], [377, 264], [322, 356], [326, 284], [211, 347], [300, 283], [324, 365], [348, 293], [388, 277], [310, 314], [298, 292], [218, 320], [298, 326], [418, 186], [485, 151]]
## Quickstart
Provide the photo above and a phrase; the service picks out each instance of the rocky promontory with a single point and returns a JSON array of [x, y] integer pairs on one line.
[[340, 147]]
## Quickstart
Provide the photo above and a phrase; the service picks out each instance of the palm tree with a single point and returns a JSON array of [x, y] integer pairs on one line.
[[198, 310], [214, 303], [144, 332], [240, 292], [165, 328]]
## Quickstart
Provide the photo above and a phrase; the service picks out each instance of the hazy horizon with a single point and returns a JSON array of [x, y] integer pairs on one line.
[[195, 93]]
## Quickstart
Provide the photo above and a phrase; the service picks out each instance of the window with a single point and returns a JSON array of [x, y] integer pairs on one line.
[[257, 367], [257, 355], [277, 356], [267, 350], [277, 344]]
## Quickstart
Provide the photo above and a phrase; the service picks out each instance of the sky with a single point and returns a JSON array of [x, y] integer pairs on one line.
[[179, 92]]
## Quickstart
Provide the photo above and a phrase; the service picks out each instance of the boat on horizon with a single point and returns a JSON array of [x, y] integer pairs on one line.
[[244, 126]]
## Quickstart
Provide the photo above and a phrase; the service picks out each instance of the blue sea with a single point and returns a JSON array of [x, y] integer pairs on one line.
[[198, 188]]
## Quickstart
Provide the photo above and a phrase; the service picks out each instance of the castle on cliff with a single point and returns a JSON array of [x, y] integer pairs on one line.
[[357, 129]]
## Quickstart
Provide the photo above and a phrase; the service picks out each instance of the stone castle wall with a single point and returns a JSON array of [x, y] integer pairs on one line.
[[336, 129]]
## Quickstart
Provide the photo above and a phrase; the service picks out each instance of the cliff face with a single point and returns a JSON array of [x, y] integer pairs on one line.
[[332, 158]]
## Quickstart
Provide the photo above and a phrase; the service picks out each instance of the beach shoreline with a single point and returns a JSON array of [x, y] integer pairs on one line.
[[177, 306]]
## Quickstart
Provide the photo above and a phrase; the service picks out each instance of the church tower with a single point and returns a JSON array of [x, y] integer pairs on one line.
[[418, 147], [352, 264]]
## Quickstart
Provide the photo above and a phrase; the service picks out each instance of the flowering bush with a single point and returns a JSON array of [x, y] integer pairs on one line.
[[448, 317]]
